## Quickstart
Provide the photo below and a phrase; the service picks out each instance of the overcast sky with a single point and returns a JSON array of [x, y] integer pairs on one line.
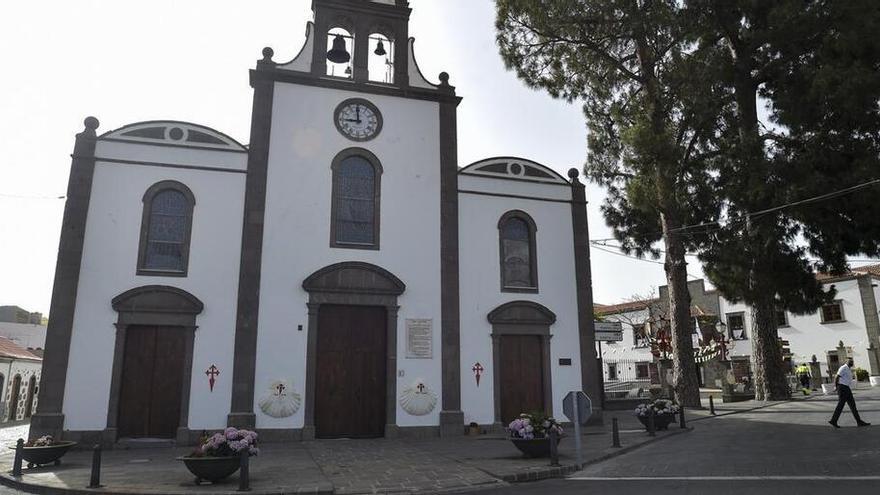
[[125, 61]]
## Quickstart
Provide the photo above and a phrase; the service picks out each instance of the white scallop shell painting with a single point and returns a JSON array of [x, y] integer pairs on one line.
[[281, 401], [418, 399]]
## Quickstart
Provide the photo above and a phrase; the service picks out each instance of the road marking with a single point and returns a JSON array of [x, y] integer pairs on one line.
[[725, 478]]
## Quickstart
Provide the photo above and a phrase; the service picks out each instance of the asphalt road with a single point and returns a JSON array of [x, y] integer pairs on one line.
[[787, 448]]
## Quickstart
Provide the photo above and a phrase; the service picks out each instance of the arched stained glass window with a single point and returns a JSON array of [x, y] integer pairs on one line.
[[517, 246], [165, 230], [355, 212]]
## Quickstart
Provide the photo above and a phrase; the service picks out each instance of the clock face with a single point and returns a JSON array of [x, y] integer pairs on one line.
[[358, 119]]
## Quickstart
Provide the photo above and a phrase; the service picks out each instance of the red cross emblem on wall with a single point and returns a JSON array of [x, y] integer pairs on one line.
[[478, 370], [212, 373]]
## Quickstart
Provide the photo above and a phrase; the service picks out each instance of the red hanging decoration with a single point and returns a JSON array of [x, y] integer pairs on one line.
[[212, 373], [478, 370]]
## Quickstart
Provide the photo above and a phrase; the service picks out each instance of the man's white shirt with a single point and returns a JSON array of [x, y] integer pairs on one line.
[[846, 376]]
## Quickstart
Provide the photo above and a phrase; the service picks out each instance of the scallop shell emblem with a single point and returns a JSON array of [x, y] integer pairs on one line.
[[417, 399], [281, 401]]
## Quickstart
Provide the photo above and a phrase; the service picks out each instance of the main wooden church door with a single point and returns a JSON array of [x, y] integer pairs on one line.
[[351, 365], [521, 375], [152, 381]]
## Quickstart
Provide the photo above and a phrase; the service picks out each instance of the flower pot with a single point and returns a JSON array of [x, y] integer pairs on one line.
[[473, 430], [535, 447], [211, 469], [661, 421], [50, 454]]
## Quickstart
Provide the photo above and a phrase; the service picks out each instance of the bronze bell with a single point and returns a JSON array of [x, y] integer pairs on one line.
[[338, 54], [380, 49]]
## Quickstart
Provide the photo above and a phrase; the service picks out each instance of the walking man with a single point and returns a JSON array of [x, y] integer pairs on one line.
[[843, 382]]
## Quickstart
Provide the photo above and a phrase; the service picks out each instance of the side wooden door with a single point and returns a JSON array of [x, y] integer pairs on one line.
[[350, 376], [521, 375]]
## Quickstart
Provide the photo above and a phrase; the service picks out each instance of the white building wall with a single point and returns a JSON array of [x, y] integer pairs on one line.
[[626, 349], [480, 284], [10, 368], [296, 241], [109, 266]]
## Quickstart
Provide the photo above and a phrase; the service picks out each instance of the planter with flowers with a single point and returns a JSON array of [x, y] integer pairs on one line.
[[664, 412], [530, 433], [44, 450], [219, 456]]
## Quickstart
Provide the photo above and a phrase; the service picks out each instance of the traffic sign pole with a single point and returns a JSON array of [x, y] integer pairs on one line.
[[577, 434]]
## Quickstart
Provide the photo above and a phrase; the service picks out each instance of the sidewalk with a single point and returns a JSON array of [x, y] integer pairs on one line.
[[339, 466]]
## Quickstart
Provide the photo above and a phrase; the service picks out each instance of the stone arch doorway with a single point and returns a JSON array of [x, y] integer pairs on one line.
[[31, 389], [15, 393], [521, 359], [348, 363], [152, 364]]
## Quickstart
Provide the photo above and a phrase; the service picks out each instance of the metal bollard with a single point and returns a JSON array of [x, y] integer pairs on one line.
[[651, 429], [16, 464], [95, 480], [244, 477], [712, 405], [681, 423], [554, 448], [615, 433]]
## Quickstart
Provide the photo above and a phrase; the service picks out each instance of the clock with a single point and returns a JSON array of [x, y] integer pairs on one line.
[[358, 119]]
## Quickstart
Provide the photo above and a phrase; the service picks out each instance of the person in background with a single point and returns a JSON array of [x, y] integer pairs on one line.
[[805, 375], [843, 382]]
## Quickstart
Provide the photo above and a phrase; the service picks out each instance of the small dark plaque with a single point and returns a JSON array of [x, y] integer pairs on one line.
[[564, 361]]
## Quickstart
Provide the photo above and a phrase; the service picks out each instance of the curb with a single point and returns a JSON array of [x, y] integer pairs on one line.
[[561, 471]]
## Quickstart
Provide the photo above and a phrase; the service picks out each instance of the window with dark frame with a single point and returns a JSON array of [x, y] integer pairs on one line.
[[781, 318], [355, 203], [832, 312], [612, 371], [166, 227], [736, 325], [642, 371], [517, 246], [640, 337]]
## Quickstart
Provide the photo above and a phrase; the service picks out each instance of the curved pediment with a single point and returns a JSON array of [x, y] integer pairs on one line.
[[171, 132], [523, 313], [157, 299], [510, 167], [354, 277]]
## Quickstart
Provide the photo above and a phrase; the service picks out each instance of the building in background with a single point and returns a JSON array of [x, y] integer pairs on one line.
[[19, 381]]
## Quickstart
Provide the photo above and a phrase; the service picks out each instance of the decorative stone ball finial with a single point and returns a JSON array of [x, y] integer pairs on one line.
[[573, 173], [268, 52], [91, 123], [444, 79]]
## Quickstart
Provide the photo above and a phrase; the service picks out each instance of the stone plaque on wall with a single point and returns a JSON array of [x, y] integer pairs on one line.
[[419, 339]]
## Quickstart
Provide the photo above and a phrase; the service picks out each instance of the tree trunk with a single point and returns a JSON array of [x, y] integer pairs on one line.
[[770, 378], [687, 389]]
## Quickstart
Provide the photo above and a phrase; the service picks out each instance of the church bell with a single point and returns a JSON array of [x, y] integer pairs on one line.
[[380, 49], [338, 54]]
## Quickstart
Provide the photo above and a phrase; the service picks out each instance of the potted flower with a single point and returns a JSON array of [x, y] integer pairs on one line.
[[664, 412], [219, 455], [530, 433], [473, 428], [44, 450]]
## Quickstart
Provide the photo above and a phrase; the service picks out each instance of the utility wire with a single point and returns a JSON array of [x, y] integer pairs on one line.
[[24, 196], [617, 253]]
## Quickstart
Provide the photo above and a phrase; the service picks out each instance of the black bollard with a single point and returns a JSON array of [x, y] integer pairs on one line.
[[16, 464], [95, 480], [712, 405], [554, 448], [244, 477], [651, 429], [681, 423], [615, 433]]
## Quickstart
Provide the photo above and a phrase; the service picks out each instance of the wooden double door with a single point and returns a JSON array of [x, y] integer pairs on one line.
[[152, 382], [350, 381], [521, 375]]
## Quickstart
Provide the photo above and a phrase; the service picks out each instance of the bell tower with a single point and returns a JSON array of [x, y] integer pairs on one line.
[[363, 40]]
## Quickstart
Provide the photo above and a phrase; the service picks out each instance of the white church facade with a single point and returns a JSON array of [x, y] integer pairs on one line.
[[340, 276]]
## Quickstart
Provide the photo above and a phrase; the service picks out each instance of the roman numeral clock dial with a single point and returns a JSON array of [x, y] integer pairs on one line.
[[358, 119]]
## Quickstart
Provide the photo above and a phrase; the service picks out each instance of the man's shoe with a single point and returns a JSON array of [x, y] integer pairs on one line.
[[832, 423], [864, 423]]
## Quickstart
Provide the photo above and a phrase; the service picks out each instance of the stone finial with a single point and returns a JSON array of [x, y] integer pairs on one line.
[[91, 123], [444, 79], [573, 173], [268, 52]]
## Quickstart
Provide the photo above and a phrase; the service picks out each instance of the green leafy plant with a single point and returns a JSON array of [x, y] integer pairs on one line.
[[861, 374]]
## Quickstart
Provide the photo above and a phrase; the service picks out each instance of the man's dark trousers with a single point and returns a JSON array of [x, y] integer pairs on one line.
[[845, 396]]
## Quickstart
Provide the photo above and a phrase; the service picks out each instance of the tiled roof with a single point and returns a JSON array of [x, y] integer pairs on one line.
[[8, 349], [853, 273], [869, 269], [624, 307]]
